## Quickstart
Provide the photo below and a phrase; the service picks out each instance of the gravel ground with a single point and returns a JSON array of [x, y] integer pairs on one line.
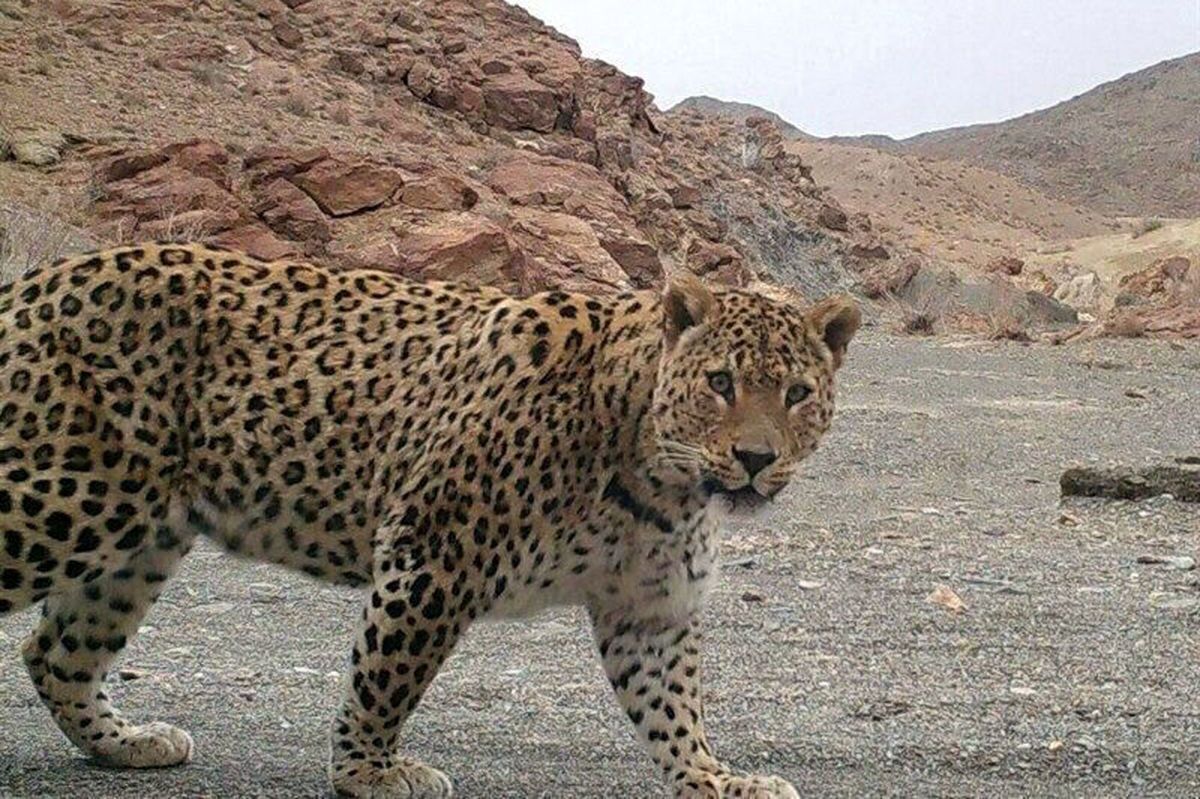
[[1073, 671]]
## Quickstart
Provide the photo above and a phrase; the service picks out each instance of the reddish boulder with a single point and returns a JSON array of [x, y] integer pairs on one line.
[[274, 161], [534, 180], [473, 249], [494, 66], [704, 257], [638, 257], [342, 187], [454, 246], [466, 98], [734, 273], [614, 149], [833, 218], [870, 252], [201, 157], [515, 101], [1180, 320], [889, 277], [439, 192], [287, 34], [1006, 265], [1161, 300], [1160, 280], [563, 251], [127, 164], [256, 240], [289, 211], [347, 61], [685, 196], [424, 79], [168, 190]]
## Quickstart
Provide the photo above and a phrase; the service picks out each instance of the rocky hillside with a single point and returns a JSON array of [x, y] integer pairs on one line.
[[945, 213], [739, 112], [1129, 147], [460, 139]]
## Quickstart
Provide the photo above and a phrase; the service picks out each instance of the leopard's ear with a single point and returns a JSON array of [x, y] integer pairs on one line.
[[836, 319], [687, 303]]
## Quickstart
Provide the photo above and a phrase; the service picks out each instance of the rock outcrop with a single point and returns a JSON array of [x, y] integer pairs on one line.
[[461, 139]]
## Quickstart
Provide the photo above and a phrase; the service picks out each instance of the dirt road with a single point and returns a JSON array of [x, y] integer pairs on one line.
[[1074, 671]]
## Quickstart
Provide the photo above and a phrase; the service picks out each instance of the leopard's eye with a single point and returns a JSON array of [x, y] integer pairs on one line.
[[796, 393], [722, 383]]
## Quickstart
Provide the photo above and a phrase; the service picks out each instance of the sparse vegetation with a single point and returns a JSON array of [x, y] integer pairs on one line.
[[1007, 326], [918, 323], [1147, 226], [207, 73], [42, 64], [184, 227], [30, 237], [920, 317], [172, 225]]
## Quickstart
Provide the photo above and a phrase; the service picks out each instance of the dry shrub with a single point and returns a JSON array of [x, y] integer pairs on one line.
[[1147, 226], [175, 226], [923, 316], [31, 237], [1005, 326], [918, 323], [1008, 319], [298, 103], [207, 73]]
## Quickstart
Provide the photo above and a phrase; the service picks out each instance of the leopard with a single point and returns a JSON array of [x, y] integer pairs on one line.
[[454, 451]]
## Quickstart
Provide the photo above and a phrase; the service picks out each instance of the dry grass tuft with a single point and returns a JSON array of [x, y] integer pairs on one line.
[[923, 316], [31, 238]]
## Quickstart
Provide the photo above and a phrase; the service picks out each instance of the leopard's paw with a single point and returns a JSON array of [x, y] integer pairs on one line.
[[728, 786], [152, 745], [404, 779]]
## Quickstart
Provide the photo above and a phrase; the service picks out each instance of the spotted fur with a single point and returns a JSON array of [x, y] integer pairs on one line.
[[455, 451]]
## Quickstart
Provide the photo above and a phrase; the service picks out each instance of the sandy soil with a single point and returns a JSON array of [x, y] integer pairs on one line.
[[1114, 255]]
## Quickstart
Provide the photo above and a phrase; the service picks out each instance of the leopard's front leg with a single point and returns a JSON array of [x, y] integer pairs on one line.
[[415, 614], [654, 667]]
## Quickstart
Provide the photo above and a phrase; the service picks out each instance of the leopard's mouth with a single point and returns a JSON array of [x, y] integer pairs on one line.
[[747, 498]]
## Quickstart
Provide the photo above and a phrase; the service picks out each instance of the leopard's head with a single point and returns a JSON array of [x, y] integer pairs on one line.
[[745, 387]]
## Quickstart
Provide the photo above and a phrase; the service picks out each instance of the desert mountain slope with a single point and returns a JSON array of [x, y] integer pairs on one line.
[[950, 212], [738, 112], [955, 213], [1128, 147]]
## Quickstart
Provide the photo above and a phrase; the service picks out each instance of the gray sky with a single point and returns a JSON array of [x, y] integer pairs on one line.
[[878, 66]]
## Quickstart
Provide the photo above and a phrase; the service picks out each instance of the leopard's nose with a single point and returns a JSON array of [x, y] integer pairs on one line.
[[754, 461]]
